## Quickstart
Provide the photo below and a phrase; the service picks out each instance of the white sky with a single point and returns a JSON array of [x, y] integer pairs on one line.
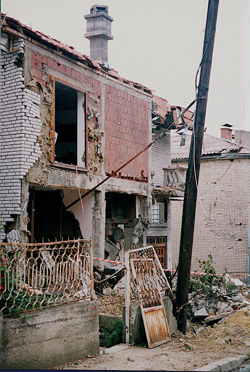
[[159, 43]]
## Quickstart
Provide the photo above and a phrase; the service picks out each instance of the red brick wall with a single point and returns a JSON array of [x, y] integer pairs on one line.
[[39, 64], [126, 133], [126, 119]]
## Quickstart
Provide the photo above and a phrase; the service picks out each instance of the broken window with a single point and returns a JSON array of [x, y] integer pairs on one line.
[[69, 125]]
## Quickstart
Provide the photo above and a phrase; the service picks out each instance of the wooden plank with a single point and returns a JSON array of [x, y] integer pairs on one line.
[[156, 326]]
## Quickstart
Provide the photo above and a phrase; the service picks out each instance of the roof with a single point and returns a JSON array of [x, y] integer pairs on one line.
[[211, 146], [15, 27], [165, 115], [162, 106]]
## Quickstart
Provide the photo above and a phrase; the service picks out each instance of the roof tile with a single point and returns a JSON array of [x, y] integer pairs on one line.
[[211, 146]]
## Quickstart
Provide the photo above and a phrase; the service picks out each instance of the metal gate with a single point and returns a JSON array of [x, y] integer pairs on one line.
[[145, 280], [152, 309]]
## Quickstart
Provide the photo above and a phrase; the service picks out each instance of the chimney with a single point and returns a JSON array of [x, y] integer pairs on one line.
[[99, 33], [226, 132]]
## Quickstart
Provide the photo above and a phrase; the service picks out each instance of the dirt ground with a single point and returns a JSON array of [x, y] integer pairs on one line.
[[199, 346]]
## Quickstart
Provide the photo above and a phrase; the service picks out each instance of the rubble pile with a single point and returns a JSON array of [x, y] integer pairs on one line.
[[209, 301], [112, 300]]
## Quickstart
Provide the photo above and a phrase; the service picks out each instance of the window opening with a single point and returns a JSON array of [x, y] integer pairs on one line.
[[70, 141], [159, 213]]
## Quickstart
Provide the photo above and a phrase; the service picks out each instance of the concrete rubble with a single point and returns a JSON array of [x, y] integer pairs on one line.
[[210, 304]]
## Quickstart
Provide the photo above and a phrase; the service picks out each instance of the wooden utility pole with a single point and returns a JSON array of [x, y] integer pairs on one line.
[[192, 177]]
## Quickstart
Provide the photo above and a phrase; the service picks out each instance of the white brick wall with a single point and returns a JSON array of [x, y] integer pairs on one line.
[[222, 216], [20, 126], [161, 158]]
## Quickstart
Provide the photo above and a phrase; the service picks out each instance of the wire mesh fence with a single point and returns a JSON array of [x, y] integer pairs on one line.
[[45, 274]]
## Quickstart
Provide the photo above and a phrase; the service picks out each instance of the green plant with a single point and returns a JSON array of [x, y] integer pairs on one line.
[[13, 299], [229, 286], [111, 334], [206, 281]]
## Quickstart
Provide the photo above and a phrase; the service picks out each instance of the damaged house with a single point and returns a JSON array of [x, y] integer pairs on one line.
[[69, 124], [167, 181]]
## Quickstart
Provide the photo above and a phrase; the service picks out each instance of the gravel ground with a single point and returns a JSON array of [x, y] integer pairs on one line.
[[200, 346]]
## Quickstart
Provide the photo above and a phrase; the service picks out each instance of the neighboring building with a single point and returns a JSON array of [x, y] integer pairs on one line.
[[165, 118], [222, 223]]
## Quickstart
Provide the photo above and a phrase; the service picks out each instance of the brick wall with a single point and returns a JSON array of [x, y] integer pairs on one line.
[[127, 117], [40, 64], [20, 126], [161, 158], [222, 216], [126, 132]]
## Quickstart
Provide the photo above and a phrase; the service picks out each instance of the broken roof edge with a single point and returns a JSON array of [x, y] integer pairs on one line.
[[167, 191], [167, 115], [15, 27]]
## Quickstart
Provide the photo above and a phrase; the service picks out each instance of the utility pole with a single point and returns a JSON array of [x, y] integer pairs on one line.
[[192, 177]]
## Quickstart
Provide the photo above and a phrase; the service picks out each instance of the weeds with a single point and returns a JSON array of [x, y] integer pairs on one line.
[[210, 279], [111, 334]]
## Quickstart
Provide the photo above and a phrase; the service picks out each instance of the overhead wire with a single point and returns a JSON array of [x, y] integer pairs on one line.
[[134, 157]]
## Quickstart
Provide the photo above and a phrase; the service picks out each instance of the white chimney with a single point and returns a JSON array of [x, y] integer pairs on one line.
[[99, 33]]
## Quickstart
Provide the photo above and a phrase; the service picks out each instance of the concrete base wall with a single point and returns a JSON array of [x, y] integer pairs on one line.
[[49, 337], [137, 334]]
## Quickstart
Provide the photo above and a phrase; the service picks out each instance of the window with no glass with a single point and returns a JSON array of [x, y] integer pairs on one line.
[[70, 130]]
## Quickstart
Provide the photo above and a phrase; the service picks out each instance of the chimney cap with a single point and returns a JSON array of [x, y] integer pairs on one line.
[[99, 10], [226, 125]]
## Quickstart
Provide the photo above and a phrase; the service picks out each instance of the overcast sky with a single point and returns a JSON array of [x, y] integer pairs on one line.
[[159, 43]]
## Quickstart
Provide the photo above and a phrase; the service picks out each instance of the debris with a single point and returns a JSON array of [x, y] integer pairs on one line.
[[201, 314], [237, 282], [211, 319]]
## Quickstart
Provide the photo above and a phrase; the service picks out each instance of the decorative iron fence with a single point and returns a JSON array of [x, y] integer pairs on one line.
[[45, 274]]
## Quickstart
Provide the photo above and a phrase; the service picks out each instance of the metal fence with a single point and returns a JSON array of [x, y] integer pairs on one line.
[[145, 253], [149, 283], [45, 274]]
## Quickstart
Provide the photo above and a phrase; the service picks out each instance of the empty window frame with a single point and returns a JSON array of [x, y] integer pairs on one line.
[[69, 125]]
